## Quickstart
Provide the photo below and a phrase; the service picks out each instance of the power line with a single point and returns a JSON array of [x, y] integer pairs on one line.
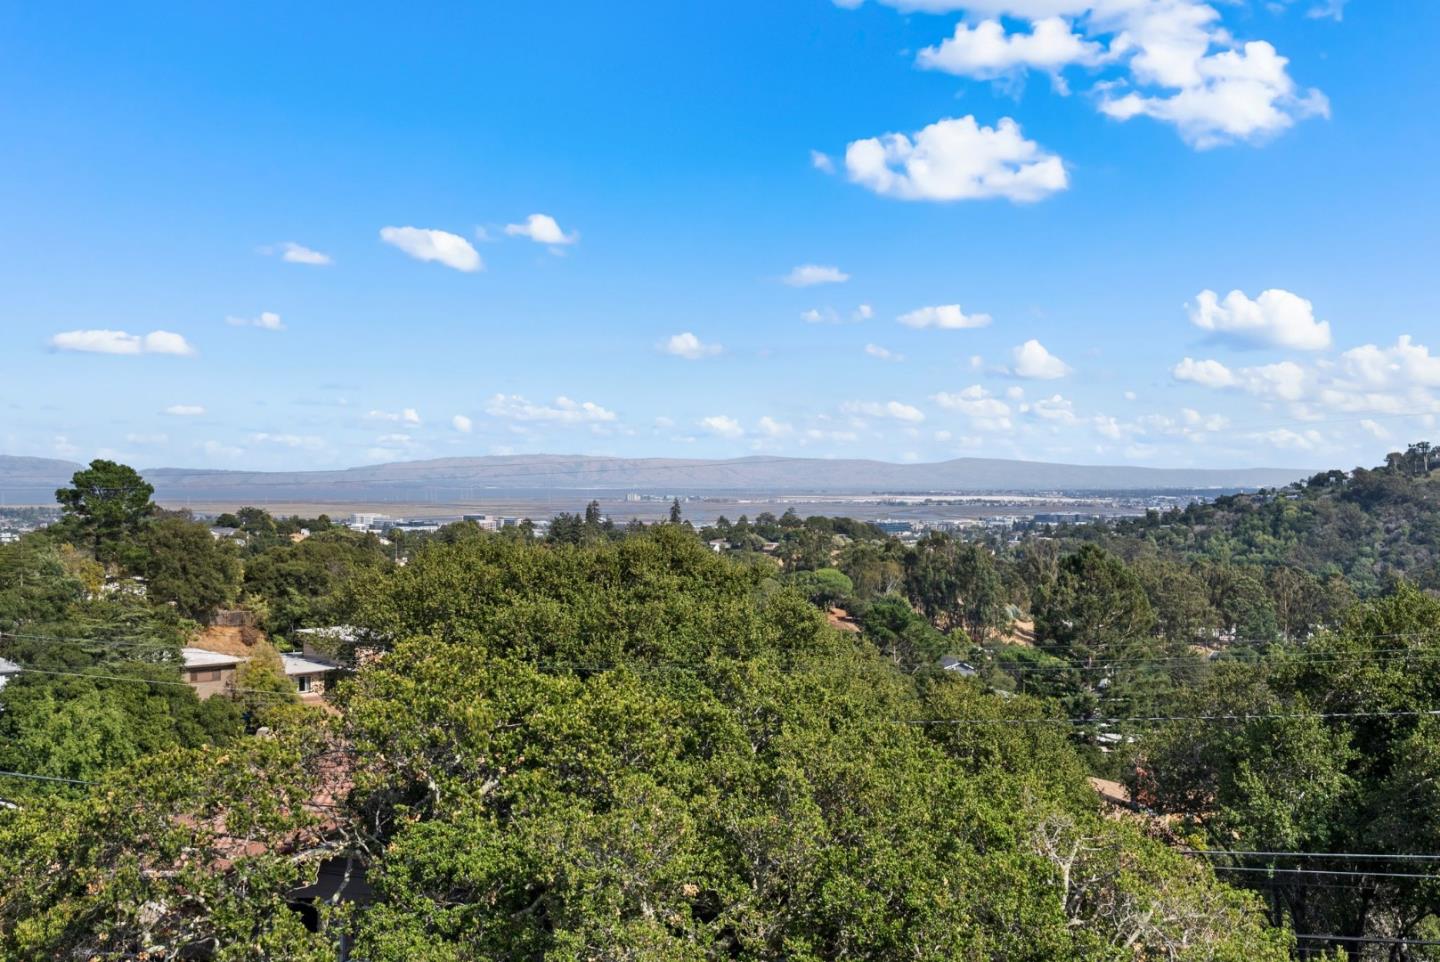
[[145, 681], [1373, 939], [1170, 718], [46, 778], [1353, 873], [1259, 854]]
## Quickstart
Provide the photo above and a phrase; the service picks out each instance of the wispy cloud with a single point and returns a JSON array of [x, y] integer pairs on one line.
[[808, 275]]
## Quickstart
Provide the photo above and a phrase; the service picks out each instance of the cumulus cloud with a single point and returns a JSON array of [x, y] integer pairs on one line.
[[542, 229], [822, 162], [1276, 318], [722, 426], [808, 275], [956, 159], [439, 246], [1208, 373], [946, 316], [265, 320], [462, 424], [1032, 360], [864, 312], [1056, 409], [185, 410], [1235, 95], [563, 410], [884, 354], [121, 342], [985, 411], [294, 253], [1171, 60], [1405, 363], [688, 346], [893, 410], [986, 51], [1285, 381]]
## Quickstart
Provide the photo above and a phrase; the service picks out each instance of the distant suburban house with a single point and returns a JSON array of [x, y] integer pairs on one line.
[[7, 668], [308, 673], [209, 672], [719, 545], [961, 668], [212, 673]]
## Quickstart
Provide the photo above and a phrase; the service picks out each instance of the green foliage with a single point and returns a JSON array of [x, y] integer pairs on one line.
[[106, 505], [739, 781], [185, 567], [188, 853], [1357, 781], [955, 583], [303, 585]]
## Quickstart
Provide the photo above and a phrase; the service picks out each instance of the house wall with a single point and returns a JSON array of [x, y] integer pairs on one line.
[[210, 681]]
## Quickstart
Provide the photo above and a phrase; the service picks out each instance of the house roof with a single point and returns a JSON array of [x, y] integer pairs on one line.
[[200, 658], [301, 665]]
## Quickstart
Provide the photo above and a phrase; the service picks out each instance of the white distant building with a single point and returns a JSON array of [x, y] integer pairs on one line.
[[7, 668], [364, 521]]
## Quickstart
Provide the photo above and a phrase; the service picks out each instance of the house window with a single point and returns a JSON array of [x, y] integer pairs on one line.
[[205, 674], [302, 682]]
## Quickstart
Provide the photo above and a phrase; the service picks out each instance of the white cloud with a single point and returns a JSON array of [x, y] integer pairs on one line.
[[956, 159], [986, 412], [725, 427], [1286, 438], [1171, 60], [1276, 318], [1404, 364], [267, 320], [946, 316], [884, 354], [1032, 360], [688, 346], [185, 410], [1233, 95], [808, 275], [772, 428], [1207, 373], [1375, 430], [818, 434], [462, 424], [294, 253], [306, 441], [397, 438], [120, 342], [986, 51], [439, 246], [217, 449], [822, 162], [405, 416], [1285, 381], [894, 410], [542, 229], [864, 312], [1055, 408], [563, 410]]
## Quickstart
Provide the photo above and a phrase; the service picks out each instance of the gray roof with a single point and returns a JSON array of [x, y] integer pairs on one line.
[[200, 658], [301, 665], [951, 663]]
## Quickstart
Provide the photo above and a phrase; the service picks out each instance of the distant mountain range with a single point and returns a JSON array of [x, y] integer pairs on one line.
[[31, 480]]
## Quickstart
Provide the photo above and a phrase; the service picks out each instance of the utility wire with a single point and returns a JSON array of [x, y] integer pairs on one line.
[[1169, 718], [46, 778], [1352, 873], [144, 681], [1258, 854]]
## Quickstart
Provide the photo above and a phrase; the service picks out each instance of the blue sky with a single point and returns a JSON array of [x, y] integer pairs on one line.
[[1010, 213]]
